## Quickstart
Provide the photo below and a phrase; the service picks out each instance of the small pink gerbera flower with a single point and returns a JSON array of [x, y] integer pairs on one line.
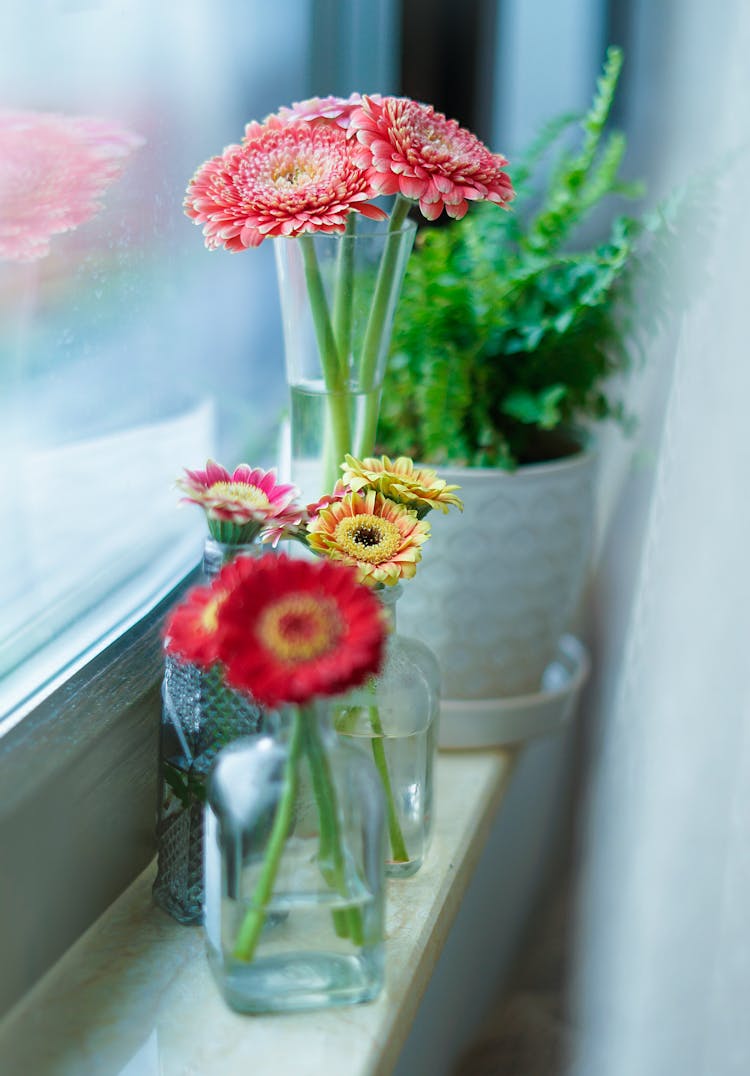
[[340, 490], [239, 505], [284, 180], [297, 529], [410, 149], [336, 110], [54, 170]]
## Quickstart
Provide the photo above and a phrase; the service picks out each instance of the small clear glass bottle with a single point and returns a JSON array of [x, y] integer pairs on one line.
[[294, 868], [200, 715], [394, 718]]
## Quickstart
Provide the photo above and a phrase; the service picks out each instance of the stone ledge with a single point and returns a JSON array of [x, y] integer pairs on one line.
[[134, 996]]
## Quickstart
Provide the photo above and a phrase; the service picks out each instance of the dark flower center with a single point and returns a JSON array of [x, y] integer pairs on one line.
[[367, 536]]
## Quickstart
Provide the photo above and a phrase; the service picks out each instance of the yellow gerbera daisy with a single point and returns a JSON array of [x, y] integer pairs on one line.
[[379, 537], [417, 487]]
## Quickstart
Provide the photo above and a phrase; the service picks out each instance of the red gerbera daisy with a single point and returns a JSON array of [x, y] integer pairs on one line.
[[285, 179], [410, 149], [291, 630], [191, 632]]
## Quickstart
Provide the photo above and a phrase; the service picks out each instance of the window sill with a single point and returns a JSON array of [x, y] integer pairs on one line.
[[134, 994], [79, 786]]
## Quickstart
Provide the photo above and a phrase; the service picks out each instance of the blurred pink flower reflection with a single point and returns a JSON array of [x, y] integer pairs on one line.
[[54, 170]]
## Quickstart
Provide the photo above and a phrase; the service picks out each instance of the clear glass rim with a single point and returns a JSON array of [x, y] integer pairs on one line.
[[369, 231]]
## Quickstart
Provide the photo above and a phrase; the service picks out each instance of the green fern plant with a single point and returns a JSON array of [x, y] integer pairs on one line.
[[506, 335]]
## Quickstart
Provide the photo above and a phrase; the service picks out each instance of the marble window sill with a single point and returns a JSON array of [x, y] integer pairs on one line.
[[134, 996]]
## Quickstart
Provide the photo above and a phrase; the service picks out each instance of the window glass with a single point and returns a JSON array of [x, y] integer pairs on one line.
[[127, 350]]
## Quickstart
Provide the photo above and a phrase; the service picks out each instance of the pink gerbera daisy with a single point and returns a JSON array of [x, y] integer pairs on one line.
[[337, 110], [54, 170], [239, 505], [410, 149], [340, 491], [284, 180]]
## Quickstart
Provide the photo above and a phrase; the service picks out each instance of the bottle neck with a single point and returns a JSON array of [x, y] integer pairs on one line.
[[388, 597], [278, 723], [217, 554]]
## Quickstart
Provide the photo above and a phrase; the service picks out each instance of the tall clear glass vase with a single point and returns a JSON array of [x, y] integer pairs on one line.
[[200, 715], [338, 298], [294, 868], [393, 718]]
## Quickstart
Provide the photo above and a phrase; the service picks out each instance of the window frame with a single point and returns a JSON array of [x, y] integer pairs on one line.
[[79, 758]]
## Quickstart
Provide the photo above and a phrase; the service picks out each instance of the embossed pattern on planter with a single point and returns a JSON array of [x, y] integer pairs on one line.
[[499, 584]]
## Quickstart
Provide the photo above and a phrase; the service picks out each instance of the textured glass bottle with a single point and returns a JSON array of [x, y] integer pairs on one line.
[[200, 715], [294, 868], [394, 718]]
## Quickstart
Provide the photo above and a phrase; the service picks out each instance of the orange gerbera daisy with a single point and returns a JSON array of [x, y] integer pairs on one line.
[[417, 487], [380, 538]]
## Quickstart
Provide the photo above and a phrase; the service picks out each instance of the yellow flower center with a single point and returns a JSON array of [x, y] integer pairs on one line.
[[209, 618], [367, 537], [300, 627], [240, 491], [432, 134], [294, 173]]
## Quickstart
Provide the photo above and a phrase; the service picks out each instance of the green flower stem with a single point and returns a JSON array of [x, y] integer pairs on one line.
[[343, 296], [338, 396], [229, 533], [374, 330], [396, 837], [252, 924], [347, 922]]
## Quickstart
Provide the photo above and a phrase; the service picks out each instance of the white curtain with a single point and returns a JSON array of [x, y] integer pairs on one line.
[[663, 953]]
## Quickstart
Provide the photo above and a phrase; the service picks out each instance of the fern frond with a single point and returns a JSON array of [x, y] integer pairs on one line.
[[548, 135], [597, 116], [565, 206], [604, 175]]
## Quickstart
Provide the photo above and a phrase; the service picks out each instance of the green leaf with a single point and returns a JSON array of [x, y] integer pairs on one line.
[[540, 410]]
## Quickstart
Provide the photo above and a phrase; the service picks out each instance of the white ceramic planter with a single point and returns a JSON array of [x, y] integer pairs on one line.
[[499, 584], [485, 723]]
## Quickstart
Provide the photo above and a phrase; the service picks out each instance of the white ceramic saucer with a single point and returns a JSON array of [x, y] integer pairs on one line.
[[496, 722]]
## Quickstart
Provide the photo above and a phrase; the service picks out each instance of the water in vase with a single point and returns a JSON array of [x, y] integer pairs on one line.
[[317, 948], [316, 452], [408, 759]]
